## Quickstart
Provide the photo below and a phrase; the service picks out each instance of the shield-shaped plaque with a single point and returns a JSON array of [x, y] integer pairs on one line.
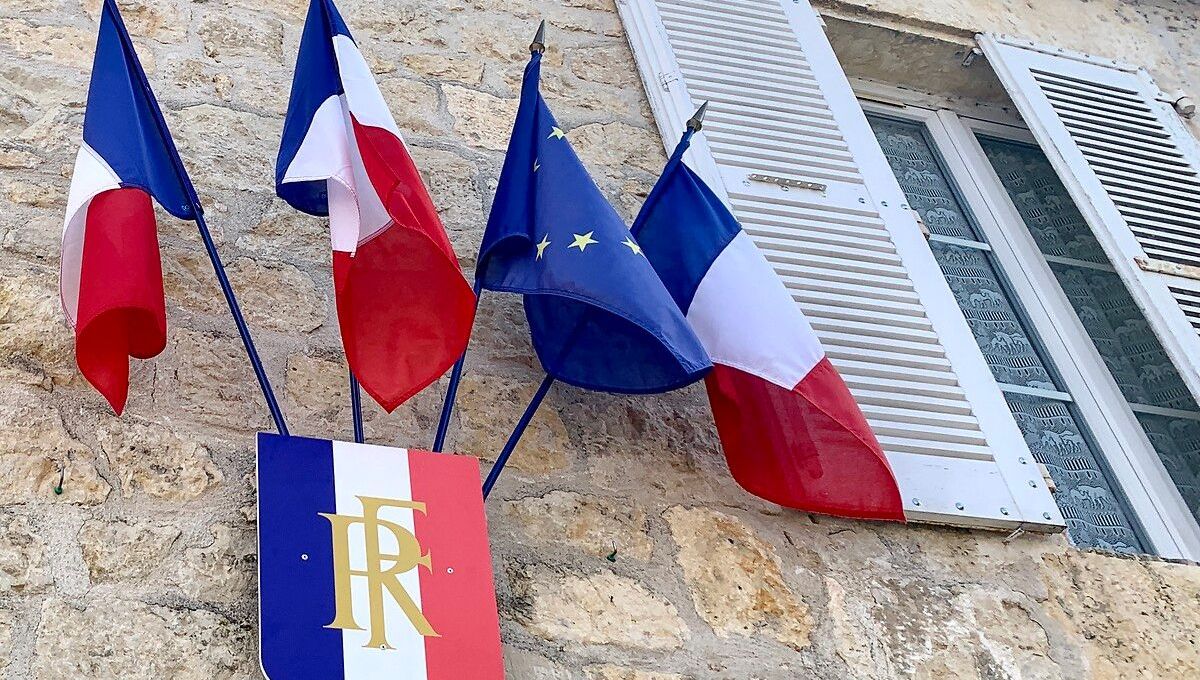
[[373, 563]]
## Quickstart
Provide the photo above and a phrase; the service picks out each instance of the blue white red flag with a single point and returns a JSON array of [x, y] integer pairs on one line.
[[404, 308], [373, 564], [111, 272], [791, 430], [599, 316]]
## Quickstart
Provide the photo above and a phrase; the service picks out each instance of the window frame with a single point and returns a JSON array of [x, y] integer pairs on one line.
[[1144, 484]]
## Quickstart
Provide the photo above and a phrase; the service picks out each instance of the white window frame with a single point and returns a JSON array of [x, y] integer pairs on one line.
[[1165, 522]]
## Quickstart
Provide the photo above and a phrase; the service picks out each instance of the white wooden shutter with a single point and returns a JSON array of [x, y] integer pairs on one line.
[[1132, 168], [790, 150]]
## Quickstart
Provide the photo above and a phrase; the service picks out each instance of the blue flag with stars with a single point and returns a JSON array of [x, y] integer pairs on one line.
[[599, 315]]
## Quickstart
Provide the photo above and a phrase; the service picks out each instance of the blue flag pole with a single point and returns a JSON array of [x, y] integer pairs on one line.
[[439, 441], [198, 215], [356, 407], [517, 433]]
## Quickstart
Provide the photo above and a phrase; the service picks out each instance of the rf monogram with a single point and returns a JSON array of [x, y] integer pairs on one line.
[[379, 579]]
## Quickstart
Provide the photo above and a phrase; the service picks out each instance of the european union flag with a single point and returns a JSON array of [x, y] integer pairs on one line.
[[600, 317]]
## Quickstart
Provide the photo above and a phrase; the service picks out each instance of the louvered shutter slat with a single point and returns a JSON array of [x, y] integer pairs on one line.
[[851, 255], [1131, 167]]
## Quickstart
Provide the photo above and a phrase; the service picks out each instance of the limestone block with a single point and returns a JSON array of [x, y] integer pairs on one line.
[[276, 296], [601, 608], [223, 147], [483, 430], [484, 120], [222, 571], [462, 68], [609, 672], [616, 146], [158, 462], [608, 64], [1130, 622], [34, 336], [33, 445], [735, 578], [523, 665], [237, 34], [163, 20], [64, 45], [318, 386], [130, 640], [117, 551], [15, 159], [414, 105], [290, 235], [208, 378], [594, 525], [23, 569], [37, 194]]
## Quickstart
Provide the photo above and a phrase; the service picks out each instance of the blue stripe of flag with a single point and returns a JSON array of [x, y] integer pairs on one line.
[[296, 596]]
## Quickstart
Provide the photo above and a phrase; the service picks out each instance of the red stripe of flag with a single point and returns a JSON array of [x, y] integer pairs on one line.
[[457, 595], [404, 308], [833, 463], [122, 310]]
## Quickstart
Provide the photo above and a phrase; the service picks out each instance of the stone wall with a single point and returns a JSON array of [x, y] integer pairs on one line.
[[623, 551]]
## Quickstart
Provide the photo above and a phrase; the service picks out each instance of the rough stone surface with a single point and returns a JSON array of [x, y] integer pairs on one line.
[[601, 608], [22, 558], [159, 462], [735, 578], [116, 551], [132, 640], [597, 526], [145, 565]]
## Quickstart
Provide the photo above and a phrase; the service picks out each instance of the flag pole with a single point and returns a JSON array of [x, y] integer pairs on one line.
[[537, 46], [694, 125], [439, 441], [517, 433], [198, 215], [356, 407]]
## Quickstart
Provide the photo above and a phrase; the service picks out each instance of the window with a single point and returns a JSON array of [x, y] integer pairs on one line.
[[1149, 382], [1091, 502], [1073, 425]]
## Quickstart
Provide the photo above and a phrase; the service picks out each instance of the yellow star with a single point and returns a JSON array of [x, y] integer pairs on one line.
[[542, 246], [637, 250], [556, 133], [583, 241]]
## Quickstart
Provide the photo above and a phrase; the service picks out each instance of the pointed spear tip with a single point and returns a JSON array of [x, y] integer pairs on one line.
[[539, 39], [696, 122]]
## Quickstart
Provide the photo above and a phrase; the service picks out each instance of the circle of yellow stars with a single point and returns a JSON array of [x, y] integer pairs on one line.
[[581, 241]]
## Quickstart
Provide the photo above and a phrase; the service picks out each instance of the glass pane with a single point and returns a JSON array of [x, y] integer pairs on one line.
[[1056, 224], [1095, 516], [921, 177], [1123, 337], [997, 328], [1093, 508]]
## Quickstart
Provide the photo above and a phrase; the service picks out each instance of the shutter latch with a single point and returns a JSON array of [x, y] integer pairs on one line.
[[787, 182]]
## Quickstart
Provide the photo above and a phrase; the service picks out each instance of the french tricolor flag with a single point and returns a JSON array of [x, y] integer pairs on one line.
[[791, 430], [110, 277], [373, 564], [404, 307]]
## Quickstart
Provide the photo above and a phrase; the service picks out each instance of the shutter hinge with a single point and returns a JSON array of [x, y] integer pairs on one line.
[[1050, 485], [920, 223], [665, 79]]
